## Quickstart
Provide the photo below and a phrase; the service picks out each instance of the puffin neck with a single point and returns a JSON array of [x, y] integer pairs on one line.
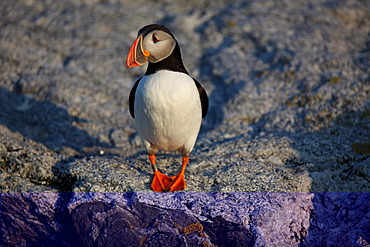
[[172, 63]]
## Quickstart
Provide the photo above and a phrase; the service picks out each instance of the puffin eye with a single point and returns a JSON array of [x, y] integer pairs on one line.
[[155, 39]]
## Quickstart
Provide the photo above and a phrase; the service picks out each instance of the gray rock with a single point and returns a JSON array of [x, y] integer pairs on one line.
[[37, 219], [25, 164], [289, 112], [288, 85], [340, 219], [185, 219]]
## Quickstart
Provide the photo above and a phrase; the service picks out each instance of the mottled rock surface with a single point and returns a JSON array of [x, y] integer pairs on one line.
[[288, 83], [289, 90], [185, 219]]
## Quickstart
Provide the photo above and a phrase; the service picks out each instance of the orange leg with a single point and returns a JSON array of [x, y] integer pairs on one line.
[[161, 182], [179, 180]]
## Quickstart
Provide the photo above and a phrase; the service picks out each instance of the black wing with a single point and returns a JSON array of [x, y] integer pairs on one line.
[[203, 98], [132, 98]]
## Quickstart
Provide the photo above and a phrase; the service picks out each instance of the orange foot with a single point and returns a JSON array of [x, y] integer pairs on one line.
[[161, 182], [178, 183], [179, 180], [164, 183]]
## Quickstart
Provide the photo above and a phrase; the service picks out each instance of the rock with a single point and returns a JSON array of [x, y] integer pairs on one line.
[[340, 218], [289, 93], [288, 86], [185, 219], [25, 165], [36, 219]]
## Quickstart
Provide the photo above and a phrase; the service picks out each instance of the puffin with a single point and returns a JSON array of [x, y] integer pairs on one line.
[[166, 103]]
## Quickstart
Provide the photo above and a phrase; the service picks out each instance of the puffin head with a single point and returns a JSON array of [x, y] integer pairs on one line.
[[154, 43]]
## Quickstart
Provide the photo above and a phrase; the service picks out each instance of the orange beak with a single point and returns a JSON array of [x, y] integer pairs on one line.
[[137, 56]]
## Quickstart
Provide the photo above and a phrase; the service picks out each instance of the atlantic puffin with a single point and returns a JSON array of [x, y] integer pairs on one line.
[[167, 104]]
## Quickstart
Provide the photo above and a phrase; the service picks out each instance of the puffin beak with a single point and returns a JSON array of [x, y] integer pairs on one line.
[[137, 56]]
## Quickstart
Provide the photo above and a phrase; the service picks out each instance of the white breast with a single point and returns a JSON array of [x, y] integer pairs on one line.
[[168, 111]]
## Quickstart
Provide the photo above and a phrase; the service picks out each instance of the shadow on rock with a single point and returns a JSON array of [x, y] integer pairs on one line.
[[44, 122], [24, 222], [29, 166], [339, 218]]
